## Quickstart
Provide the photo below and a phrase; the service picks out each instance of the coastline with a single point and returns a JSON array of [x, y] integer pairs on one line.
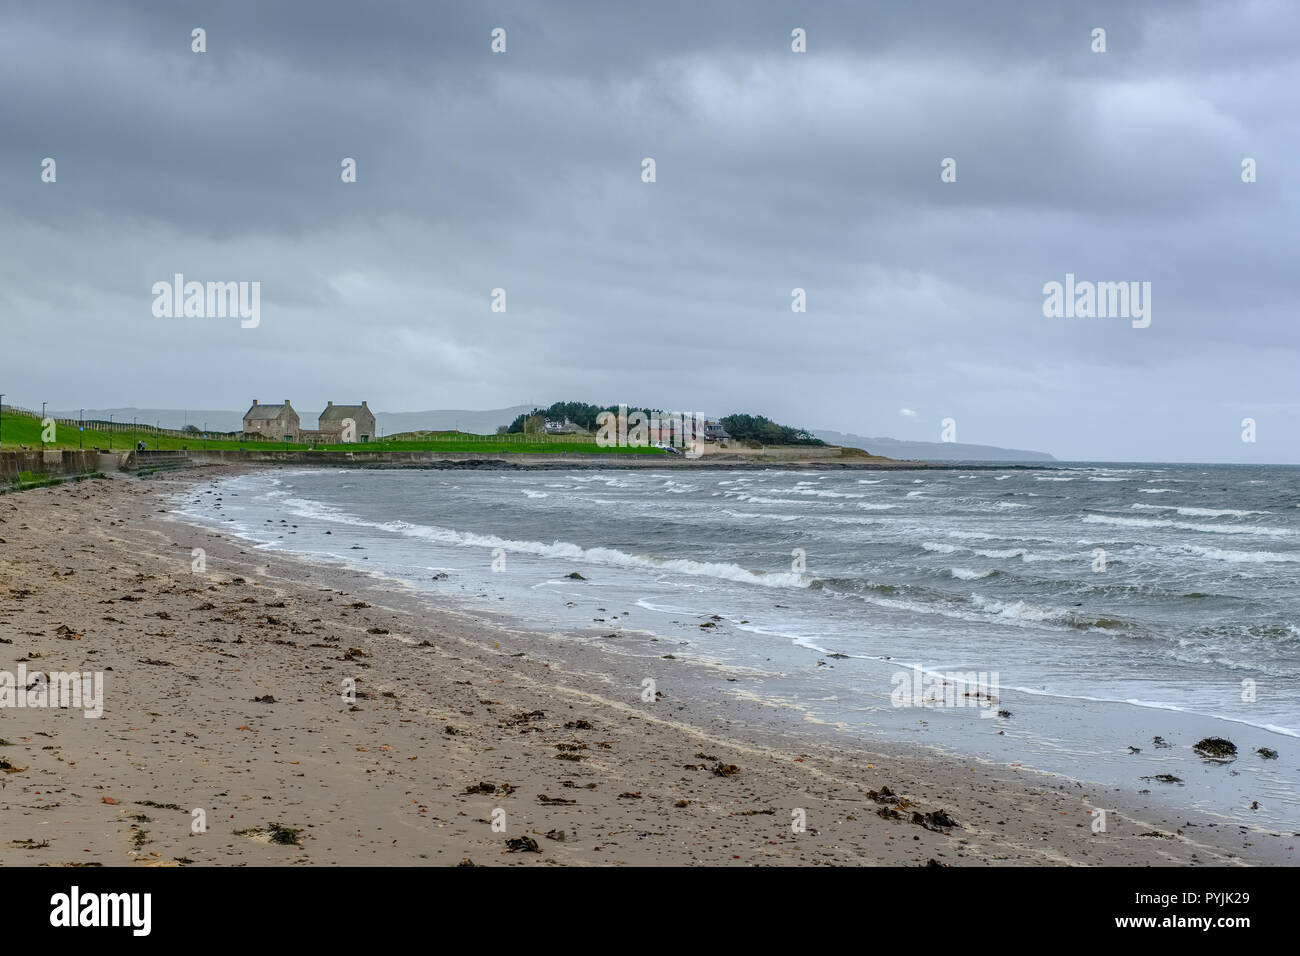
[[450, 702]]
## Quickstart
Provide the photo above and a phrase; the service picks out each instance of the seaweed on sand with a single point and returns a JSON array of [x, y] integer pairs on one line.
[[1215, 748]]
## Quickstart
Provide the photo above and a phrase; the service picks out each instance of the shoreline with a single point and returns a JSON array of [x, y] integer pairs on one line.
[[788, 683], [384, 783], [510, 461]]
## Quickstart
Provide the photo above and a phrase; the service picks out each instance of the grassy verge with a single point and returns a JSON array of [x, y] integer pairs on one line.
[[19, 430]]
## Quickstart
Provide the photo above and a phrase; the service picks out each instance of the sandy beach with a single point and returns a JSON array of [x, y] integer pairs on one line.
[[466, 741]]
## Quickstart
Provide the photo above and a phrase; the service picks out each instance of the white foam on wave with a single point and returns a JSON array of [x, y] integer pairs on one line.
[[761, 500], [1199, 512], [569, 551], [1021, 611], [1244, 557], [803, 489], [606, 480], [753, 515], [1187, 525], [940, 547], [676, 489], [1153, 705], [1004, 553], [977, 608]]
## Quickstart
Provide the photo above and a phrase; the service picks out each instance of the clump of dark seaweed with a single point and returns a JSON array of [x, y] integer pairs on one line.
[[1216, 748], [1165, 778], [282, 835]]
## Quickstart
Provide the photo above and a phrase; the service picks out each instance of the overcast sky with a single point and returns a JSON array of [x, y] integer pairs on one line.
[[774, 170]]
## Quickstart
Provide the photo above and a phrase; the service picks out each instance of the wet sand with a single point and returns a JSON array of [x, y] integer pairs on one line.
[[224, 693]]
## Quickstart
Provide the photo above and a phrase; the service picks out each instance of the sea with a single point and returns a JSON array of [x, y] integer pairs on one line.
[[1091, 621]]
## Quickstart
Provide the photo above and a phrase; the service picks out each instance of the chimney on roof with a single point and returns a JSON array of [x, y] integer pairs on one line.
[[363, 403], [286, 401], [254, 403], [329, 404]]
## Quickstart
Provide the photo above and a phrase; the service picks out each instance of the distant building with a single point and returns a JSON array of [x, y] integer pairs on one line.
[[333, 422], [273, 422], [713, 431], [555, 426], [674, 430]]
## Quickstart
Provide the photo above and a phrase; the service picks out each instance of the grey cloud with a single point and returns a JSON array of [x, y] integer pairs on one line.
[[774, 171]]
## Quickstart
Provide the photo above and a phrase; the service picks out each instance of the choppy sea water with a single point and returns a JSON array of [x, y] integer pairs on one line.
[[1110, 604]]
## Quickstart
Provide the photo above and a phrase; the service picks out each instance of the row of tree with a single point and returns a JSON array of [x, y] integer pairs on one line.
[[764, 430], [745, 428], [580, 413]]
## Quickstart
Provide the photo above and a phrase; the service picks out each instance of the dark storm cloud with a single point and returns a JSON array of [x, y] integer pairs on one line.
[[775, 170]]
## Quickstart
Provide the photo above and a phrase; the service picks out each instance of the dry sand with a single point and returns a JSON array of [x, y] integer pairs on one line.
[[446, 704]]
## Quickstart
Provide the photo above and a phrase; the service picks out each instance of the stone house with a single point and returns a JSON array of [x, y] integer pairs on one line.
[[273, 422], [333, 419]]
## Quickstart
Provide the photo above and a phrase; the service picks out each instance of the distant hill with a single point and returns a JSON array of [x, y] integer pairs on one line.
[[478, 422], [444, 419], [931, 450]]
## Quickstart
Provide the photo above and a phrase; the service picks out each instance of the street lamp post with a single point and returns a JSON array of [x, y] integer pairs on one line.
[[43, 404], [81, 430]]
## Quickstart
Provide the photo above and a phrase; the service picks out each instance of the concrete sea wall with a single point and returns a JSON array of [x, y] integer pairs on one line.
[[51, 463]]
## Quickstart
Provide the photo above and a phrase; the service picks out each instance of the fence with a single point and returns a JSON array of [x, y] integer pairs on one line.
[[118, 428]]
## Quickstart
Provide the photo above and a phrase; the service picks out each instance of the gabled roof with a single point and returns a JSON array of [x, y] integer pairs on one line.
[[336, 413], [264, 413]]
